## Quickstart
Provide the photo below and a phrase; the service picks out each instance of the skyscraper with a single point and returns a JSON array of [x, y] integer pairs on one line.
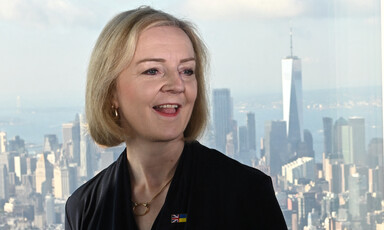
[[375, 153], [4, 182], [275, 145], [71, 140], [355, 181], [341, 139], [251, 127], [306, 149], [292, 99], [16, 144], [20, 165], [64, 179], [222, 117], [335, 176], [51, 143], [67, 140], [87, 151], [44, 175], [3, 142], [50, 210], [243, 139], [357, 127], [327, 127], [8, 159], [349, 140]]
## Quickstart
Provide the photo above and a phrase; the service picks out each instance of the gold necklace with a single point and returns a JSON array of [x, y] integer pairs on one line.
[[147, 204]]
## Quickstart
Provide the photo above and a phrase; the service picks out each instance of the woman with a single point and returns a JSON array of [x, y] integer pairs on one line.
[[145, 87]]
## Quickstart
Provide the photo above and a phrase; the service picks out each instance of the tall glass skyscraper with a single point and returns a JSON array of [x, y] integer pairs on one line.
[[87, 150], [251, 128], [292, 100], [328, 135], [222, 117], [357, 127], [275, 145]]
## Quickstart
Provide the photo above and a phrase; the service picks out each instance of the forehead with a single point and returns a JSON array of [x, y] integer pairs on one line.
[[164, 39]]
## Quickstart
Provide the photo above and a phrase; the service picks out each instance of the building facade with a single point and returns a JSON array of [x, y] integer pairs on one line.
[[222, 117], [292, 100]]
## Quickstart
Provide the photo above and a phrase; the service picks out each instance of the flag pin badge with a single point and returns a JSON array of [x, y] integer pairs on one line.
[[178, 218]]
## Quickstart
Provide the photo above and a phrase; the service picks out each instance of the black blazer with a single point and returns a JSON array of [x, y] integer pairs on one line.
[[209, 191]]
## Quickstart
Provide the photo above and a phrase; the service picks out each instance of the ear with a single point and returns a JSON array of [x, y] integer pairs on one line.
[[114, 101], [114, 98]]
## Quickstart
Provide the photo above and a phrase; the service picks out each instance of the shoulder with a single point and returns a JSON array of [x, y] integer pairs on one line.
[[97, 183], [233, 186], [90, 195], [212, 160], [214, 169]]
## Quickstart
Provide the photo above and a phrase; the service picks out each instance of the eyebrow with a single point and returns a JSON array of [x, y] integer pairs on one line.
[[163, 60], [187, 59]]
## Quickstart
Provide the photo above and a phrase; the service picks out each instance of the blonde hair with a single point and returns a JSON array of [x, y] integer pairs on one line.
[[112, 53]]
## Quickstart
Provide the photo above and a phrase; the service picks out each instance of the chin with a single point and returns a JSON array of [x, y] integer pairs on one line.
[[169, 137]]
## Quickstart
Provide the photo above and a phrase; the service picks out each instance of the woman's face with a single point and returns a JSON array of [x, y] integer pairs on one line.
[[156, 93]]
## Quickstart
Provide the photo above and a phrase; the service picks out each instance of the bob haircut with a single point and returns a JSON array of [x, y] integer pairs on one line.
[[113, 52]]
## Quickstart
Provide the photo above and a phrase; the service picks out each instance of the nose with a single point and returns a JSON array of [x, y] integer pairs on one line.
[[174, 83]]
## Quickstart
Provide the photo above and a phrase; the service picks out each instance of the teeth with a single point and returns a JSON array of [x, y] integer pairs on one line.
[[167, 106]]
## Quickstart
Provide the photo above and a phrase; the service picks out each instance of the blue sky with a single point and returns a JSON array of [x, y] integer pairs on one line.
[[45, 44]]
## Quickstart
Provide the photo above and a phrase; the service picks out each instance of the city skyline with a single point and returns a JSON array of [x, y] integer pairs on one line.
[[366, 103], [297, 182]]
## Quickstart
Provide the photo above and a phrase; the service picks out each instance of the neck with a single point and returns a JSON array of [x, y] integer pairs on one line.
[[153, 163]]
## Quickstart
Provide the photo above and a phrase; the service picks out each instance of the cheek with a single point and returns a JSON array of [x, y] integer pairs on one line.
[[137, 96], [126, 94]]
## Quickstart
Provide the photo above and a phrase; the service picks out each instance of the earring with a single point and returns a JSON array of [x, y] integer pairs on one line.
[[116, 112]]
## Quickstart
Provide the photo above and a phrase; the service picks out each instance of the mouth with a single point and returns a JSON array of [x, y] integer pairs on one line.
[[167, 109]]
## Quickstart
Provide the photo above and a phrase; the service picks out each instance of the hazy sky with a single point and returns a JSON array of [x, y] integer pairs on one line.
[[45, 44]]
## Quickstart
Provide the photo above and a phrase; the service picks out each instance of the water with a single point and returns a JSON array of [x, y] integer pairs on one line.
[[334, 103], [31, 124]]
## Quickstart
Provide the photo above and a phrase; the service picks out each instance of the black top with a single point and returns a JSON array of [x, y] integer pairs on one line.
[[209, 191]]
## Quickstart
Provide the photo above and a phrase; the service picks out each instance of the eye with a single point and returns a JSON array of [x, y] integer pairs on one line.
[[188, 72], [152, 71]]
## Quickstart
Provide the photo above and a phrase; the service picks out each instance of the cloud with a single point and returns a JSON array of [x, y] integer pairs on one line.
[[65, 13], [45, 13], [275, 9], [259, 8]]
